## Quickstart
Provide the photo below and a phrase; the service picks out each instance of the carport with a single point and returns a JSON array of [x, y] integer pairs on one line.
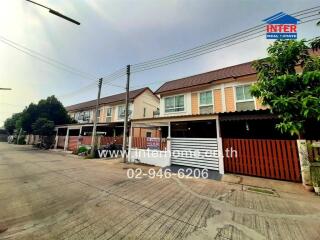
[[192, 140]]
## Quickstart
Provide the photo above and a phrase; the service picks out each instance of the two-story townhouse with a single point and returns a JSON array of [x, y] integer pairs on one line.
[[209, 111], [142, 104]]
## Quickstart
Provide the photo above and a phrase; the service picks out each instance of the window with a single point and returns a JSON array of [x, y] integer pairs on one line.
[[205, 102], [121, 112], [244, 100], [174, 104], [86, 116], [109, 114], [144, 112], [148, 134]]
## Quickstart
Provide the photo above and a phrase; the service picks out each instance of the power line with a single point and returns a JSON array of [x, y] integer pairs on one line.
[[44, 60], [206, 47], [244, 40], [216, 45], [60, 65], [48, 58], [93, 85], [232, 43]]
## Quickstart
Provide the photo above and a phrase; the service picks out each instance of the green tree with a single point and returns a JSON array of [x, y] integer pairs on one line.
[[10, 123], [43, 127], [50, 108], [291, 95], [28, 116]]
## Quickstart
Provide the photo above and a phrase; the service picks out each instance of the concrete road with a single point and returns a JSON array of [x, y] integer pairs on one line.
[[47, 195]]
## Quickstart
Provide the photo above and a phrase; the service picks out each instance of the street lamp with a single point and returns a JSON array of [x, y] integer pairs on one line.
[[5, 89], [56, 13]]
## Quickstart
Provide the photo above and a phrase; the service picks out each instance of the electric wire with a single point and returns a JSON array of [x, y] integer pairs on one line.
[[199, 51]]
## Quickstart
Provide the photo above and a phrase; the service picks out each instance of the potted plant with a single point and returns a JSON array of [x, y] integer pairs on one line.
[[315, 176]]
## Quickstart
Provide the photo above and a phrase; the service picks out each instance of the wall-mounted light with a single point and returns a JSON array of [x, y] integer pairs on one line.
[[247, 126]]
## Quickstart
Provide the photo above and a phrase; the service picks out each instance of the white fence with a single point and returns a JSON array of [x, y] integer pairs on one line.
[[195, 152]]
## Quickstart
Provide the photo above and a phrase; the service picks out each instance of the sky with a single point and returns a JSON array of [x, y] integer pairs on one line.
[[114, 33]]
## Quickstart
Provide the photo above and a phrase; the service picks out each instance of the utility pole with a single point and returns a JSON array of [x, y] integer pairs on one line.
[[95, 120], [125, 125]]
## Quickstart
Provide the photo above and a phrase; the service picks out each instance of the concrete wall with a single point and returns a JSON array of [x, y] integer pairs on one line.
[[151, 157]]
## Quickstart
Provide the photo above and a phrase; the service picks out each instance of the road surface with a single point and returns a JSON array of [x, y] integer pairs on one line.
[[50, 195]]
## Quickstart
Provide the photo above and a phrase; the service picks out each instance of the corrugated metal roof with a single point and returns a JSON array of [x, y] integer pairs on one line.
[[208, 77], [107, 100]]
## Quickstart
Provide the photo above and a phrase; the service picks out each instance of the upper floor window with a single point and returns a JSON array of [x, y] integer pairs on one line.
[[244, 99], [121, 112], [205, 102], [174, 104], [109, 114]]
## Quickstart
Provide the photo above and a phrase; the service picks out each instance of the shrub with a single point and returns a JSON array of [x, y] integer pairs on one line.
[[82, 149], [315, 175]]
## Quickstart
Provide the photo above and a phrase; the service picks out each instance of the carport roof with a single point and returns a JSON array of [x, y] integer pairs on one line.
[[247, 115]]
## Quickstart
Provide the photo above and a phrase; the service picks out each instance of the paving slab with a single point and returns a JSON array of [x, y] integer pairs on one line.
[[53, 195]]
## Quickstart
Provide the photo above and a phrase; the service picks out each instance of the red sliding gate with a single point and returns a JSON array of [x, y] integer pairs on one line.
[[277, 159]]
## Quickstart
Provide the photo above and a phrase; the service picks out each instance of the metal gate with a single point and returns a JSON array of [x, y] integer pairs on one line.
[[277, 159], [195, 152], [61, 141]]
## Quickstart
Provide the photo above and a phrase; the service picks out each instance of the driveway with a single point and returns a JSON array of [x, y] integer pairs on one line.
[[49, 195]]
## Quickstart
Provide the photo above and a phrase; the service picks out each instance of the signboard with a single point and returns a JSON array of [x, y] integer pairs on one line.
[[153, 143], [281, 26]]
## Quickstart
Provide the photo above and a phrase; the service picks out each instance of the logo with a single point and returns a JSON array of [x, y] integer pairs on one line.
[[281, 26]]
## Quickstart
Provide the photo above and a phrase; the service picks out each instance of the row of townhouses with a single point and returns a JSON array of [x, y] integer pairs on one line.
[[209, 111]]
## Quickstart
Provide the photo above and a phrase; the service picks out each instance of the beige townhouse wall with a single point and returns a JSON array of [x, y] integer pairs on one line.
[[145, 104]]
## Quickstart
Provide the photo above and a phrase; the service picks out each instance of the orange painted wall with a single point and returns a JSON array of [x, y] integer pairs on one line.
[[259, 104], [229, 99], [142, 132], [194, 103], [217, 100]]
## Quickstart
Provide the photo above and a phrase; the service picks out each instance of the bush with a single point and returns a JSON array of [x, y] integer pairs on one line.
[[315, 175], [82, 150]]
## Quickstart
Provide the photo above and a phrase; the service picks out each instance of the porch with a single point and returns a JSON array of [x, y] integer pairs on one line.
[[187, 141], [70, 137]]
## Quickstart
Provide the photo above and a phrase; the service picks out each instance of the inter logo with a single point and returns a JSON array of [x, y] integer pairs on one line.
[[281, 26]]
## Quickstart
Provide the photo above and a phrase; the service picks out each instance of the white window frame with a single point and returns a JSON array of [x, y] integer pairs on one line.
[[109, 108], [205, 105], [245, 100], [239, 101], [124, 109], [174, 103]]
